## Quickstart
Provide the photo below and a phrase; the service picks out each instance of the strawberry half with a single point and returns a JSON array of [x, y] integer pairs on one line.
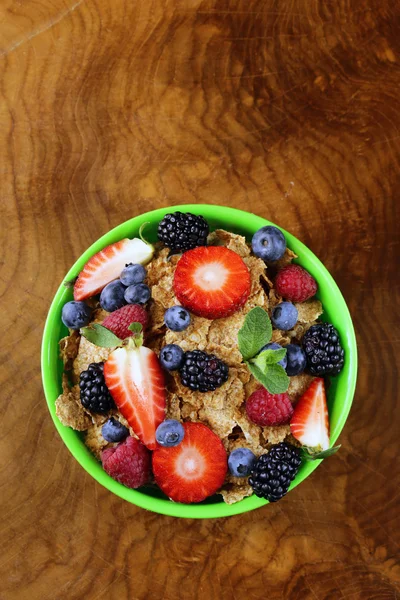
[[106, 265], [211, 281], [136, 382], [193, 470], [310, 421]]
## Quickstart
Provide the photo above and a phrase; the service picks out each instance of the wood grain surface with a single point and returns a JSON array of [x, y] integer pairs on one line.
[[290, 109]]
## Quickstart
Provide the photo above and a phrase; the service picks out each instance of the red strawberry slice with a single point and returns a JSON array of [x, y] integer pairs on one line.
[[211, 281], [193, 470], [106, 265], [310, 421], [136, 382]]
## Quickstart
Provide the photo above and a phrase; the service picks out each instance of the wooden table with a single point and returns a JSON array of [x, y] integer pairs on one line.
[[290, 109]]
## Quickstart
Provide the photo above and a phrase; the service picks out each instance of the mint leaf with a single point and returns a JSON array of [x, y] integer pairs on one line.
[[70, 283], [255, 333], [269, 357], [100, 336], [136, 327], [311, 454], [273, 377]]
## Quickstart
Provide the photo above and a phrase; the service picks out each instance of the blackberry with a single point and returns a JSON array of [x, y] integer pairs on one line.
[[183, 231], [325, 355], [203, 372], [94, 392], [273, 472]]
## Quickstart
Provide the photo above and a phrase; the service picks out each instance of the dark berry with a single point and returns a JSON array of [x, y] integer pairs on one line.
[[171, 357], [241, 462], [114, 431], [170, 433], [203, 372], [274, 346], [273, 472], [94, 393], [76, 315], [269, 243], [183, 231], [296, 360], [284, 316], [177, 318], [133, 274], [112, 296], [137, 294], [325, 355]]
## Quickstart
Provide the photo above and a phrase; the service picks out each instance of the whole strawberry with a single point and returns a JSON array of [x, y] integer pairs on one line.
[[295, 284], [129, 463], [119, 320], [267, 409]]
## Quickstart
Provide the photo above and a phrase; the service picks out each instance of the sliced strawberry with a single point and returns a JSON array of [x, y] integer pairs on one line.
[[136, 382], [106, 265], [211, 281], [193, 470], [310, 421]]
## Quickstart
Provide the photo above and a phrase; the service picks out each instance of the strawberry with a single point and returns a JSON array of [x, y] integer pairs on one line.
[[106, 265], [193, 470], [310, 422], [135, 380], [119, 320], [211, 281]]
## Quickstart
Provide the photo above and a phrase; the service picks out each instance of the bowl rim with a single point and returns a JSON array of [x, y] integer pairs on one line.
[[77, 446]]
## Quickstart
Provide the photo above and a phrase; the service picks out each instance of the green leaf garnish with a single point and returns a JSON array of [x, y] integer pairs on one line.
[[269, 357], [255, 333], [136, 327], [273, 378], [313, 454], [70, 283], [100, 336]]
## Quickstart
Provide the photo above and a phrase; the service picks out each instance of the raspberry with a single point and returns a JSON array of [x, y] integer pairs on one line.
[[128, 463], [295, 284], [267, 409], [119, 321]]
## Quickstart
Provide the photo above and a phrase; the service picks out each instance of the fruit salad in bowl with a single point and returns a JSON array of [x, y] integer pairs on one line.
[[200, 371]]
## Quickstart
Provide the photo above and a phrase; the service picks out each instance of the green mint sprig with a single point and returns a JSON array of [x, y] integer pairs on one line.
[[254, 335], [101, 336]]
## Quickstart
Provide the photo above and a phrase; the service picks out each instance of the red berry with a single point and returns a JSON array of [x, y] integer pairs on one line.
[[211, 281], [195, 468], [267, 409], [135, 380], [295, 284], [129, 463], [119, 320]]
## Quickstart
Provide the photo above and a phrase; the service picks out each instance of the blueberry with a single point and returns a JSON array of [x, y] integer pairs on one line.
[[170, 433], [274, 346], [112, 296], [241, 461], [269, 243], [132, 274], [171, 357], [177, 318], [137, 294], [284, 316], [114, 431], [76, 315], [296, 359]]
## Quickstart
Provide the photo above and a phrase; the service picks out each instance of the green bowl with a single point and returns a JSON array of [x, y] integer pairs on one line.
[[340, 393]]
